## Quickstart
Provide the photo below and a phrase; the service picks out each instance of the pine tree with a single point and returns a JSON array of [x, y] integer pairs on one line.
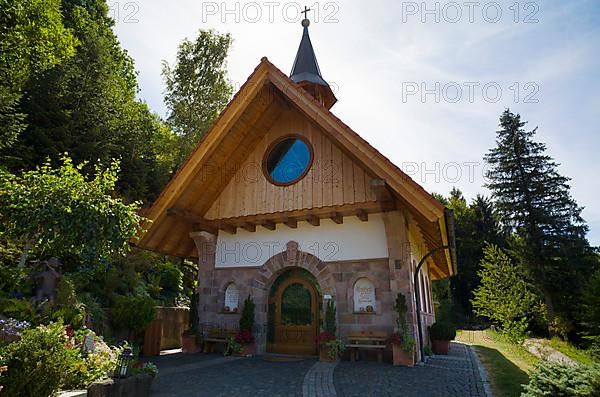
[[475, 224], [534, 202], [505, 296]]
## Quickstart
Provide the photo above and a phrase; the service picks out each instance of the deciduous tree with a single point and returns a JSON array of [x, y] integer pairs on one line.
[[197, 88]]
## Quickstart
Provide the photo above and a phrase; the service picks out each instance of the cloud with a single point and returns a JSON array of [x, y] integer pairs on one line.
[[372, 50]]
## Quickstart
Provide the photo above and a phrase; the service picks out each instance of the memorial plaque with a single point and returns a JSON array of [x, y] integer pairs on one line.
[[232, 297], [364, 296]]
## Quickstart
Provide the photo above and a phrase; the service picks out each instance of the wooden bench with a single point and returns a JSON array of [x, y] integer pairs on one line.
[[217, 335], [367, 340]]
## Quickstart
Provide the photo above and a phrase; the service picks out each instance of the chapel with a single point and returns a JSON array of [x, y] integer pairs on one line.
[[283, 202]]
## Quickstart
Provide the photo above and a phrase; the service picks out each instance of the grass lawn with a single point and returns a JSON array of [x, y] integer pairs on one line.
[[571, 351], [507, 364]]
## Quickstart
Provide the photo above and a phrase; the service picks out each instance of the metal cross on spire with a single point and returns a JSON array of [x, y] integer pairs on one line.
[[305, 12]]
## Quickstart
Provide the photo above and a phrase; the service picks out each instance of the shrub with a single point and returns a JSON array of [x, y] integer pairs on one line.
[[85, 368], [562, 380], [407, 340], [516, 331], [133, 313], [68, 307], [330, 318], [247, 317], [505, 295], [37, 363], [442, 331]]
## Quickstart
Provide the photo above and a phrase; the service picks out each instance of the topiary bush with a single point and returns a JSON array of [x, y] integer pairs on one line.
[[562, 380], [37, 363], [133, 313], [330, 317], [442, 330], [247, 317]]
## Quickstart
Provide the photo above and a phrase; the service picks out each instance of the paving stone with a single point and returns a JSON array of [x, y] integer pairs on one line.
[[455, 375], [216, 377]]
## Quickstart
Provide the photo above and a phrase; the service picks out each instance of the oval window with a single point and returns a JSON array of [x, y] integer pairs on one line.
[[288, 161]]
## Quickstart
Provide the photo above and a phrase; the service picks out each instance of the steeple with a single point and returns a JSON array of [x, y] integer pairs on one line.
[[306, 72]]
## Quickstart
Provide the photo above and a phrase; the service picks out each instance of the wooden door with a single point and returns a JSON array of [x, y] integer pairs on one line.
[[296, 317]]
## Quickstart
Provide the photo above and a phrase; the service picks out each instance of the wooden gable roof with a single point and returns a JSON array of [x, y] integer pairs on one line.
[[265, 97]]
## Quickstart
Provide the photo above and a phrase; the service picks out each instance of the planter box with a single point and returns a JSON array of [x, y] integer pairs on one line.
[[440, 346], [324, 356], [401, 357], [135, 386], [189, 345], [247, 351]]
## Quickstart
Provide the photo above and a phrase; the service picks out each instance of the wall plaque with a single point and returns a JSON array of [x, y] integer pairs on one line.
[[364, 296]]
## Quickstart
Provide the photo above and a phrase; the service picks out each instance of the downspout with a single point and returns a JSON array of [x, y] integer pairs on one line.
[[449, 219]]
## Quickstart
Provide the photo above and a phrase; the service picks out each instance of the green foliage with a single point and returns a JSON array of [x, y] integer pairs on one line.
[[37, 363], [12, 278], [562, 380], [24, 310], [589, 312], [232, 347], [401, 309], [441, 330], [330, 314], [247, 317], [408, 341], [535, 202], [32, 39], [504, 295], [68, 308], [335, 348], [85, 368], [516, 331], [475, 224], [133, 313], [58, 211], [87, 106], [196, 87]]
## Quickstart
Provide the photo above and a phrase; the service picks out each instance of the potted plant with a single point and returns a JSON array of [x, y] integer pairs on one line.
[[402, 342], [441, 333], [189, 339], [243, 342], [241, 345], [330, 347]]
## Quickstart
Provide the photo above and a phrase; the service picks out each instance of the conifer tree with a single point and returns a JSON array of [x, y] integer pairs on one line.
[[535, 203]]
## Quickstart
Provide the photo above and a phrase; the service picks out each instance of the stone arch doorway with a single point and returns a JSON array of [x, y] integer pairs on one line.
[[293, 313]]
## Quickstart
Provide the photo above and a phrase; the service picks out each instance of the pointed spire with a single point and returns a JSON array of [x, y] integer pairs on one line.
[[306, 72]]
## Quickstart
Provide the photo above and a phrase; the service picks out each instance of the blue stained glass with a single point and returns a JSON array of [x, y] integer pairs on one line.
[[288, 160]]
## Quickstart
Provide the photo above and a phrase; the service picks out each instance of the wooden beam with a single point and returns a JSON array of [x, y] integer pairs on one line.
[[313, 220], [268, 225], [197, 221], [362, 215], [228, 228], [383, 195], [337, 218], [290, 222], [251, 227]]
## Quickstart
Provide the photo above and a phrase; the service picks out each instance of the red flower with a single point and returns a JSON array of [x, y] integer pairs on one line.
[[69, 330], [244, 337], [324, 337], [395, 339]]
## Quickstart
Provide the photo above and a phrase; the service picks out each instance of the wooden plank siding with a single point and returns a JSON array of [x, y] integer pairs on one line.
[[333, 179]]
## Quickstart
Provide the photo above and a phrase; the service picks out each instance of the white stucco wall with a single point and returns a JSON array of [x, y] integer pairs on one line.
[[350, 240]]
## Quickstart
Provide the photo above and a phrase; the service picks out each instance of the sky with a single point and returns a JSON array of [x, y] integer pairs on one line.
[[423, 82]]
